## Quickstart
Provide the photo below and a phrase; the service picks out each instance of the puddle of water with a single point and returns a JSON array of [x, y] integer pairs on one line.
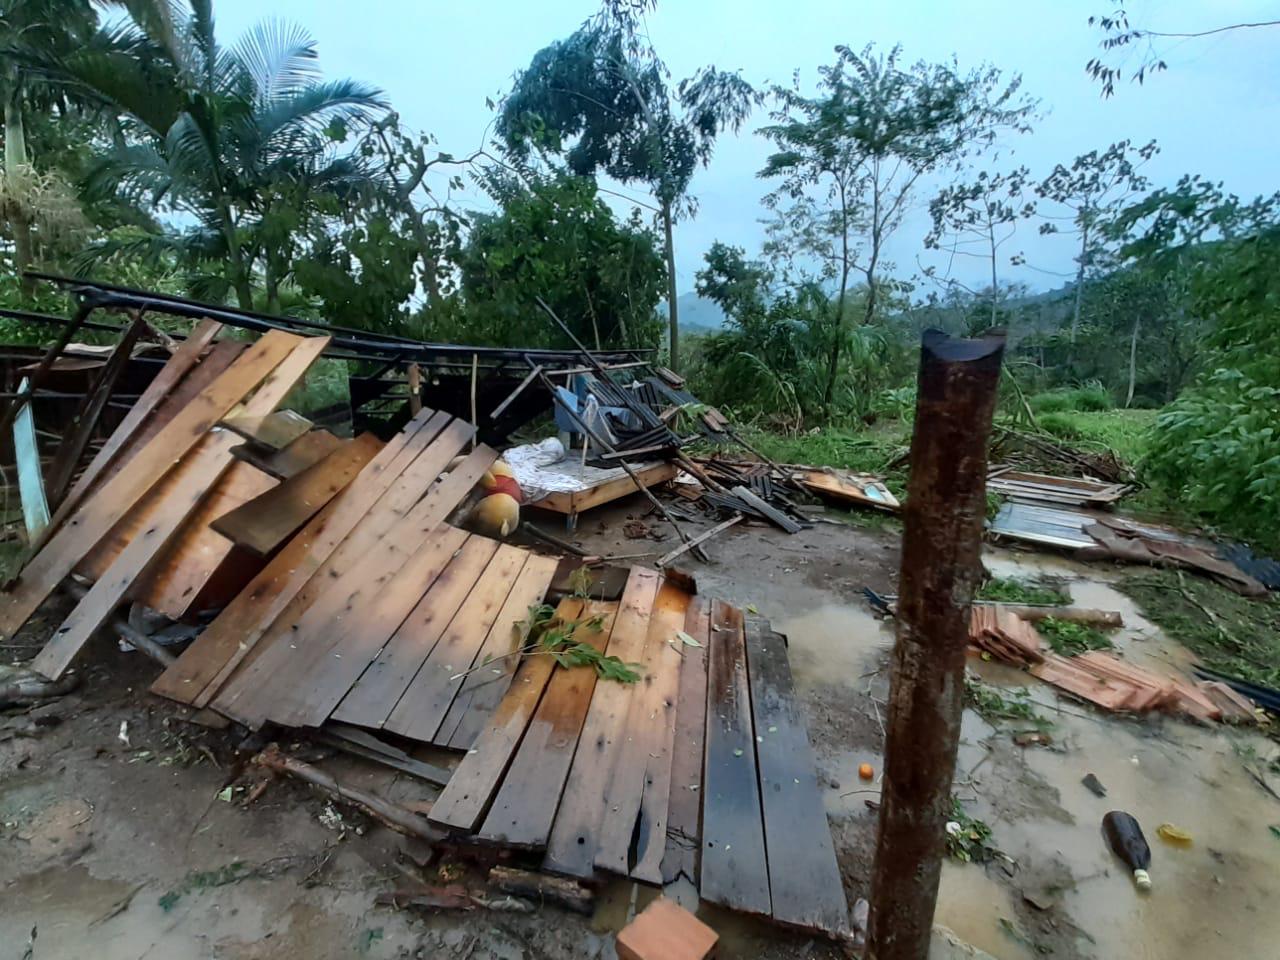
[[971, 905], [834, 643]]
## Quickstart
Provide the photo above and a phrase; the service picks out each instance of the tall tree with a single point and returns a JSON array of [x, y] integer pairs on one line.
[[31, 30], [855, 151], [978, 218], [1092, 190], [238, 140], [604, 100]]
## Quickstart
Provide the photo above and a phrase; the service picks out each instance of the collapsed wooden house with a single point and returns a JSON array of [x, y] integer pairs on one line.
[[343, 604]]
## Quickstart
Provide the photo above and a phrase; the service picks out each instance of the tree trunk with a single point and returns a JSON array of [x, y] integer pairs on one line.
[[833, 364], [15, 159], [1075, 315], [673, 314], [1133, 362]]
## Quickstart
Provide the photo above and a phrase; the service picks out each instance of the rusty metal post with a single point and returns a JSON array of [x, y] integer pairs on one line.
[[941, 563]]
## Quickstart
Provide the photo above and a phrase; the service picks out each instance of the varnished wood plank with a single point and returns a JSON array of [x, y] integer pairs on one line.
[[482, 690], [248, 694], [89, 524], [180, 571], [275, 431], [641, 785], [735, 871], [804, 878], [320, 633], [429, 695], [381, 685], [464, 802], [684, 811], [525, 806], [572, 847], [309, 448], [376, 607], [171, 374], [96, 561], [262, 524], [205, 665], [607, 492], [213, 457]]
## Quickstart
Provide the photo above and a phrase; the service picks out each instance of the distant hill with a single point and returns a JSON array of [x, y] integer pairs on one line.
[[697, 315]]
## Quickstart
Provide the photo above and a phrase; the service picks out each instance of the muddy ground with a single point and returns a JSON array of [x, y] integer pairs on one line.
[[124, 846]]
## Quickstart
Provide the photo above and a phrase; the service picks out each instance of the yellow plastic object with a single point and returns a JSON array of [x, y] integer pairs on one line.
[[866, 772], [1175, 835]]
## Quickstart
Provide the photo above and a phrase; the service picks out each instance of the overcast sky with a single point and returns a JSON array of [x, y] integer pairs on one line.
[[1214, 112]]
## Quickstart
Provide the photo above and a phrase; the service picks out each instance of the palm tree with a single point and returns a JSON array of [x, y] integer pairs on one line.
[[240, 142], [30, 29]]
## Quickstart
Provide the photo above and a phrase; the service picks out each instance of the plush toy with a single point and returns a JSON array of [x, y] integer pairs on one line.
[[498, 512]]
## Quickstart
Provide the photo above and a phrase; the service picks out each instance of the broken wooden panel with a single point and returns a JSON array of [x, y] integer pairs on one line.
[[212, 455], [1066, 491], [205, 665], [525, 807], [482, 690], [262, 524], [464, 802], [849, 489], [804, 878], [735, 870], [684, 811], [642, 767], [373, 696], [308, 449], [572, 847]]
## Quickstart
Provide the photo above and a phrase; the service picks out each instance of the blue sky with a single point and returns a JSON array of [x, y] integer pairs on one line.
[[1214, 113]]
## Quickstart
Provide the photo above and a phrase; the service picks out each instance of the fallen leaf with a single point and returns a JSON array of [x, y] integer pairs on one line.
[[687, 640]]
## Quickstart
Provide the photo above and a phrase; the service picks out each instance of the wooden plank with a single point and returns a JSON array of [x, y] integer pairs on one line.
[[464, 802], [804, 878], [206, 664], [415, 389], [252, 690], [735, 871], [26, 453], [275, 431], [699, 540], [766, 510], [184, 358], [525, 806], [605, 493], [482, 690], [212, 457], [572, 847], [261, 525], [308, 449], [177, 577], [640, 787], [376, 608], [84, 528], [684, 810], [74, 442], [338, 654], [372, 697], [365, 745], [423, 707]]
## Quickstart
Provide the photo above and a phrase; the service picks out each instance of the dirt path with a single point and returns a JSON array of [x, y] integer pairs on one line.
[[118, 850]]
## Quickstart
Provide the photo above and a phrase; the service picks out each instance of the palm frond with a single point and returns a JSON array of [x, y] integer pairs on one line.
[[280, 59]]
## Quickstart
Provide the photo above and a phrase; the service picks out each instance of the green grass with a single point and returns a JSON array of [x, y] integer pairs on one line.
[[1015, 590], [1236, 636], [1127, 432], [993, 706], [1070, 639], [1088, 397], [868, 450]]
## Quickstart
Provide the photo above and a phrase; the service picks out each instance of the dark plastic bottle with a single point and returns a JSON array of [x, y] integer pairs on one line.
[[1126, 839]]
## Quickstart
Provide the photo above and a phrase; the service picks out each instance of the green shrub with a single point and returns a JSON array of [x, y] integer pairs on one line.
[[1060, 425], [1092, 396], [1052, 401]]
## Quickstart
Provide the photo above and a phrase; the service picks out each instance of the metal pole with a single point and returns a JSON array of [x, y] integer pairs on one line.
[[941, 567]]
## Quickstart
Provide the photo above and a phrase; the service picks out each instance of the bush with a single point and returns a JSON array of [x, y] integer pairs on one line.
[[1089, 397], [1053, 401], [1059, 425]]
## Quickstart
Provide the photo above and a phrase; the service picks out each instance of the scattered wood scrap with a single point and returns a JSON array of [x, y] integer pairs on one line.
[[274, 431], [1065, 491], [1004, 635], [848, 488]]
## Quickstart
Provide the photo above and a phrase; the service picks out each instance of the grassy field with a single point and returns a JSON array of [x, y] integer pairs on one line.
[[1127, 432]]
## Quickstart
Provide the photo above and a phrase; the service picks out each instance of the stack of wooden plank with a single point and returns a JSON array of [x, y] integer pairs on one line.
[[1112, 683], [127, 519], [703, 769], [1042, 487], [1004, 635]]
